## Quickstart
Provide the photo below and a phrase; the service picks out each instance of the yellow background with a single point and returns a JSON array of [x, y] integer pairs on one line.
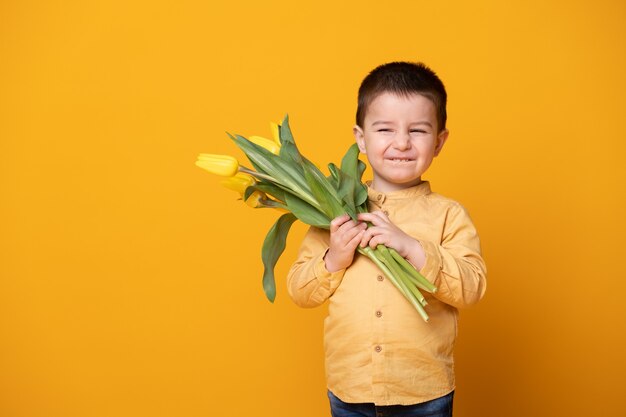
[[130, 280]]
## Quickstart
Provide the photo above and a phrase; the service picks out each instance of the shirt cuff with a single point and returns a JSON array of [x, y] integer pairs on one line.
[[322, 274], [433, 264]]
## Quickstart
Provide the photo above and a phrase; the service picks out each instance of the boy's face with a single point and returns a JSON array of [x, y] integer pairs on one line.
[[399, 137]]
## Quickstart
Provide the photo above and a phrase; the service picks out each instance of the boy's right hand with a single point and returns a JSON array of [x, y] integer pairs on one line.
[[345, 236]]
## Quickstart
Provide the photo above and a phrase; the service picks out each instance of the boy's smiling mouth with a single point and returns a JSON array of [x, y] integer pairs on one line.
[[400, 160]]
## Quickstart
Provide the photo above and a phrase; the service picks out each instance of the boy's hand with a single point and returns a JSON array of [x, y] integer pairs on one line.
[[345, 236], [384, 232]]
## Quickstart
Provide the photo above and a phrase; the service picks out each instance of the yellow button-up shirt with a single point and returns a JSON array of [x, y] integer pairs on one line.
[[377, 347]]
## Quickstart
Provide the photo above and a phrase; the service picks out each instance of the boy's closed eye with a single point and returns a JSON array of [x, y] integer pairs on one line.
[[411, 131]]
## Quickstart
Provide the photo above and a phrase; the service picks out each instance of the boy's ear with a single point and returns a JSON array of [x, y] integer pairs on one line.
[[441, 139], [358, 136]]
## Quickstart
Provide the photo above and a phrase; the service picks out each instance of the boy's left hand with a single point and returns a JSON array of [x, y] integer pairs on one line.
[[384, 232]]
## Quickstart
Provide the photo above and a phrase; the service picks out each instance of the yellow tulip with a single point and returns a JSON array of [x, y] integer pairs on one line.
[[239, 182], [275, 132], [224, 165], [256, 199], [270, 145]]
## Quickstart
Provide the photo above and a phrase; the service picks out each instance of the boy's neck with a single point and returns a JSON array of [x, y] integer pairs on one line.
[[386, 188]]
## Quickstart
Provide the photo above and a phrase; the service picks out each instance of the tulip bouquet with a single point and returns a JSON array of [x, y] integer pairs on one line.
[[282, 178]]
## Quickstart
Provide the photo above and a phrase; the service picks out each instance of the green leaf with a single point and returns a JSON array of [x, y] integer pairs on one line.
[[360, 194], [346, 187], [288, 149], [285, 131], [361, 167], [266, 162], [351, 164], [353, 167], [289, 152], [257, 167], [273, 247], [323, 191], [349, 161], [270, 189], [306, 212], [249, 190], [334, 177]]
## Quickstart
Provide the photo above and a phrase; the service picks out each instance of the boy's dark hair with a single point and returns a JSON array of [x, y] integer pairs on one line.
[[404, 79]]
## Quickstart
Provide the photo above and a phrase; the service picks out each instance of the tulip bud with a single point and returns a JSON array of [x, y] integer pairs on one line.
[[256, 199], [223, 165], [275, 128], [239, 182], [270, 145]]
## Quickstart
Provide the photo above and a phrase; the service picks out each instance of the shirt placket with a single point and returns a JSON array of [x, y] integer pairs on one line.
[[379, 346]]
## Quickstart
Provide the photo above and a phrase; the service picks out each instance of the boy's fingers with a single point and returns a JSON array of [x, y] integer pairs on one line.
[[351, 223], [337, 222], [355, 240], [348, 225], [348, 230], [368, 217], [353, 231], [377, 240], [380, 215], [363, 216], [375, 217], [367, 235]]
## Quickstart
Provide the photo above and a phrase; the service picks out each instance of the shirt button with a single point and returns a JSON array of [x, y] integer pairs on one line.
[[378, 348], [386, 212], [380, 278], [379, 313], [378, 197]]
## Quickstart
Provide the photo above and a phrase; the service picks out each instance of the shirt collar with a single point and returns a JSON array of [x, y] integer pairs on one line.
[[421, 189]]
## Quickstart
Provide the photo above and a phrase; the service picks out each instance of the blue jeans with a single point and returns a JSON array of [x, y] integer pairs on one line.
[[439, 407]]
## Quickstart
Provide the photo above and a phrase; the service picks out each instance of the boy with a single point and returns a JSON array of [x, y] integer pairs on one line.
[[381, 358]]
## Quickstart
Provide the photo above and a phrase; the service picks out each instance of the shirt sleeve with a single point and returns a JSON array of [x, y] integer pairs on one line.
[[308, 282], [455, 265]]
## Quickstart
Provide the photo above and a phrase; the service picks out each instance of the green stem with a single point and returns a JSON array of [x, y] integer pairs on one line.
[[418, 278], [415, 282], [367, 251], [397, 270], [302, 195], [256, 174], [267, 203], [293, 189]]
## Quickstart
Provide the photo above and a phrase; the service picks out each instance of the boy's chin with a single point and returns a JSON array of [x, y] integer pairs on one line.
[[403, 178]]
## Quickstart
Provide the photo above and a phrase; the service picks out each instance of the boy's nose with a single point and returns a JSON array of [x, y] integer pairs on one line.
[[403, 141]]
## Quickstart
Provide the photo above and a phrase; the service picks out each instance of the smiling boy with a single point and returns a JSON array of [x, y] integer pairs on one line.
[[381, 357]]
